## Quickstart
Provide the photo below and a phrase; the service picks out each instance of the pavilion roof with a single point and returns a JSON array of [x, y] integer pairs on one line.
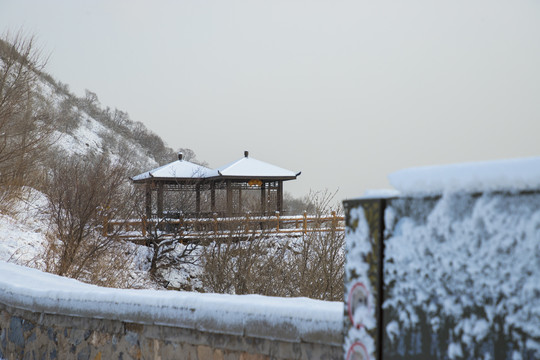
[[243, 168], [179, 169], [248, 167]]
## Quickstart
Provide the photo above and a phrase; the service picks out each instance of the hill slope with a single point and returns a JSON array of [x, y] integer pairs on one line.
[[75, 126]]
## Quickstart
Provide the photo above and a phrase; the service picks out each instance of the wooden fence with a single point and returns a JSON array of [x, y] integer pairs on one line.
[[224, 226]]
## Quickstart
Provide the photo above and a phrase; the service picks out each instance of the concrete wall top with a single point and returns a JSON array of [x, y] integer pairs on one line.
[[286, 319]]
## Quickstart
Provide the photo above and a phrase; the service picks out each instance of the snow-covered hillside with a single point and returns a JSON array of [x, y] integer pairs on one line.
[[77, 132], [24, 240], [77, 126]]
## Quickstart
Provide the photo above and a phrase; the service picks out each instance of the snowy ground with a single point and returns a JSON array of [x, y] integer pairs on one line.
[[23, 238], [22, 232]]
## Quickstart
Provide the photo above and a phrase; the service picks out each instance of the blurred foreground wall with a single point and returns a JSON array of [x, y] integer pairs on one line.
[[454, 276]]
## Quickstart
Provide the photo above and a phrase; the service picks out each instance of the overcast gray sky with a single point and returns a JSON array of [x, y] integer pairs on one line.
[[344, 91]]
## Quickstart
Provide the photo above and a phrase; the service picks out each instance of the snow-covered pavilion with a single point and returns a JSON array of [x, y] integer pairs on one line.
[[223, 189]]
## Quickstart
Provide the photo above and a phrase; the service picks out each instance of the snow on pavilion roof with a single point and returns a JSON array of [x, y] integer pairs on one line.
[[179, 169], [248, 167], [243, 168]]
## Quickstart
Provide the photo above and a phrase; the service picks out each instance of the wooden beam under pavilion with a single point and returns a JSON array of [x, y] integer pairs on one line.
[[240, 200], [263, 198], [160, 200], [229, 198], [198, 199], [213, 196], [148, 200], [279, 200]]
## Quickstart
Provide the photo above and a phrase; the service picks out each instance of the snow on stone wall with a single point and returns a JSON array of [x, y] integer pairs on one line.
[[500, 175], [462, 276], [361, 274], [31, 289], [461, 262]]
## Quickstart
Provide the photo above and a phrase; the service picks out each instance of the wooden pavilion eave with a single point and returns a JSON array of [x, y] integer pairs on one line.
[[154, 180], [248, 178]]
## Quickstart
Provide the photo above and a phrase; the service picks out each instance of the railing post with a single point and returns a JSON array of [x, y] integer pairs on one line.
[[277, 222], [181, 224], [305, 222], [334, 221], [143, 223], [246, 229], [215, 224], [105, 226]]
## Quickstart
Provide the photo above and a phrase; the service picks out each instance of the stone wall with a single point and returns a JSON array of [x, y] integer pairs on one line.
[[30, 335], [455, 276], [29, 332]]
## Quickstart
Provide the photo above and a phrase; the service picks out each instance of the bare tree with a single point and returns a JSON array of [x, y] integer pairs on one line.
[[168, 248], [82, 192], [24, 126]]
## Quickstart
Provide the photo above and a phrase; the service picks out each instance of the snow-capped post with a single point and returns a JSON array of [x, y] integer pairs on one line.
[[364, 230], [215, 223], [246, 227], [277, 221], [305, 222], [105, 225], [144, 225]]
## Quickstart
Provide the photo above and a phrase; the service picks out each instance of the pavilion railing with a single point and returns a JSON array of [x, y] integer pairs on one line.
[[208, 226]]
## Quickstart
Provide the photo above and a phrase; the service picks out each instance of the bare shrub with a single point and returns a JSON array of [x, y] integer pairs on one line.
[[320, 257], [24, 125], [83, 191], [108, 268], [319, 262], [163, 239], [254, 266], [310, 266]]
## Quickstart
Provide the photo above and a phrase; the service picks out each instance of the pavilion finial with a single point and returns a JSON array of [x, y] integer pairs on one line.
[[180, 155], [246, 153]]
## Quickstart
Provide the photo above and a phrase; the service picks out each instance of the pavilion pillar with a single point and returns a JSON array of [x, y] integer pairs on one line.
[[148, 200], [229, 198], [198, 199], [213, 196], [160, 200], [279, 199], [240, 200], [263, 198]]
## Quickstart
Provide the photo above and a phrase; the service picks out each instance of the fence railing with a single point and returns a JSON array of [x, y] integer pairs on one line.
[[215, 226]]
